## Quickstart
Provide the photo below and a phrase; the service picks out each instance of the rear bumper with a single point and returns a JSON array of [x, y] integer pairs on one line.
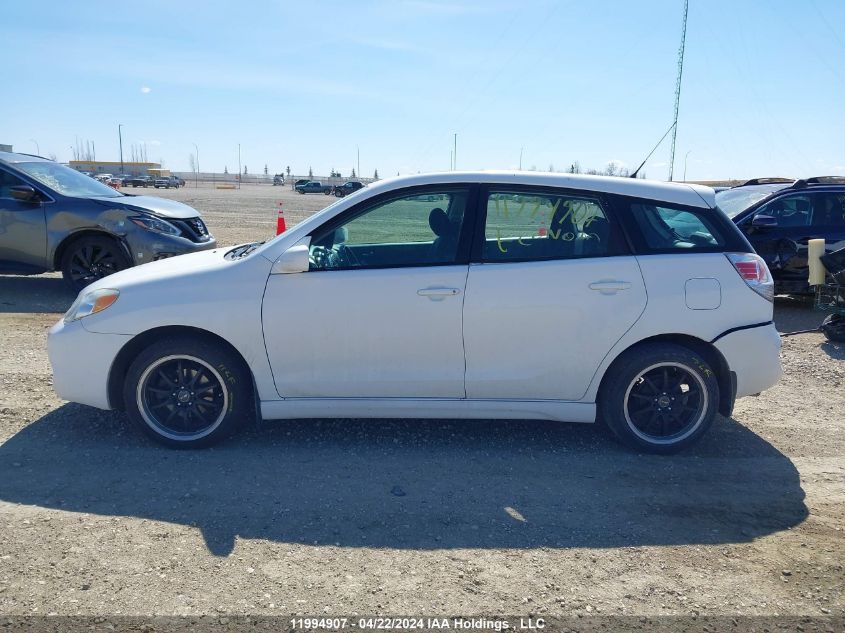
[[753, 355]]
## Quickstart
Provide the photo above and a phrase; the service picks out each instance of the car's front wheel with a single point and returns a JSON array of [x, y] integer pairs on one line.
[[91, 258], [188, 393], [659, 397]]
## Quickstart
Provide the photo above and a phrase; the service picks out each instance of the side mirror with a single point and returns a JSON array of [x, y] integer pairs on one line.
[[293, 260], [766, 221], [24, 193]]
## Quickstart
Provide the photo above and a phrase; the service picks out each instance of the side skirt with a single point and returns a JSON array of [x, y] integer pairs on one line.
[[295, 408]]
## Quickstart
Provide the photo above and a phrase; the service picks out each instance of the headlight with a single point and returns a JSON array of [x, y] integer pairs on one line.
[[151, 223], [88, 303]]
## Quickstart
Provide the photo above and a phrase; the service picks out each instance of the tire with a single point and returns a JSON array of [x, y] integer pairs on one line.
[[196, 414], [642, 387], [91, 258], [833, 327]]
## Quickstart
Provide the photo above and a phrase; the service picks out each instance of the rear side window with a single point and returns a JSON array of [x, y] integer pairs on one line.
[[665, 228], [526, 225]]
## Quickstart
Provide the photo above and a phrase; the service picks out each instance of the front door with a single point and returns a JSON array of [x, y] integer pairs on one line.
[[800, 217], [378, 314], [551, 290], [23, 230]]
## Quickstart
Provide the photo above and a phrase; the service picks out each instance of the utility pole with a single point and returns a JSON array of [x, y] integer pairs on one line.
[[451, 162], [197, 174], [240, 175], [358, 149], [37, 146], [120, 136], [520, 158], [678, 87], [455, 152]]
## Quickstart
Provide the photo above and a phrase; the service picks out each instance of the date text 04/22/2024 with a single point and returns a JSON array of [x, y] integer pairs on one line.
[[384, 623]]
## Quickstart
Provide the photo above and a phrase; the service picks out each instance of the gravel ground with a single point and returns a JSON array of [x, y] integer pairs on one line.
[[411, 516]]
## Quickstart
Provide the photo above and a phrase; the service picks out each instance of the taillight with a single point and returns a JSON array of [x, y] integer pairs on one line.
[[754, 272]]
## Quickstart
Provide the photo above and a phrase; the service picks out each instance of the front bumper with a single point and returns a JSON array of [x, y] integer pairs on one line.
[[81, 362], [753, 355], [148, 246]]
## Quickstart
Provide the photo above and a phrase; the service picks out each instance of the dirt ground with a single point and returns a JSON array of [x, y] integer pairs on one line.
[[409, 516]]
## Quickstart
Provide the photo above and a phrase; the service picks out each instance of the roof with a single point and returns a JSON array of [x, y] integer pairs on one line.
[[679, 193], [15, 157]]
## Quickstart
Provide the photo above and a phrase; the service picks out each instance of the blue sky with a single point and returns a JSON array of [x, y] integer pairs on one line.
[[305, 84]]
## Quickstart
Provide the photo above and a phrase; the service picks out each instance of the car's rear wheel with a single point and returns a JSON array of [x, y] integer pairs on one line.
[[659, 398], [188, 393], [91, 258]]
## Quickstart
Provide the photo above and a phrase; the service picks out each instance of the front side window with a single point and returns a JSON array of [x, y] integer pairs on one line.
[[667, 228], [7, 181], [419, 229], [789, 210], [524, 226]]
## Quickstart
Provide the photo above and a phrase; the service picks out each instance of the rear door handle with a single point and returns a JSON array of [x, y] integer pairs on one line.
[[610, 286], [438, 292]]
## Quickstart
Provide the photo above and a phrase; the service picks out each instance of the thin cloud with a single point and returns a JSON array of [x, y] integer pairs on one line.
[[146, 90]]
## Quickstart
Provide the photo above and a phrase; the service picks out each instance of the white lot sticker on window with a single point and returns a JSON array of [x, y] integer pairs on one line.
[[521, 226]]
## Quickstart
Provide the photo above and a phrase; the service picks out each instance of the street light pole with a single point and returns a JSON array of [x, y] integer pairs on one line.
[[37, 146], [358, 149], [685, 164], [240, 174], [120, 136], [197, 174]]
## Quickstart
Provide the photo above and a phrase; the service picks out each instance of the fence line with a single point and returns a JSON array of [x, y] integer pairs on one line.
[[213, 177]]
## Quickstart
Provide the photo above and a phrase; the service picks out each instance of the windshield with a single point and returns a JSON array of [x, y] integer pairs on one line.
[[735, 201], [67, 181]]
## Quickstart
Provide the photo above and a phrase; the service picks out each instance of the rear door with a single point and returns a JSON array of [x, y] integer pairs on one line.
[[23, 229], [551, 288]]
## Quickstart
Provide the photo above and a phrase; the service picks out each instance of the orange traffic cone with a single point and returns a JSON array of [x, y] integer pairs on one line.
[[280, 223]]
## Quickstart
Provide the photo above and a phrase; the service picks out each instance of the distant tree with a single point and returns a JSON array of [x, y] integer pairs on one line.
[[611, 169], [225, 169], [375, 175], [265, 170], [244, 170], [310, 173], [575, 168], [353, 173], [287, 169], [551, 167]]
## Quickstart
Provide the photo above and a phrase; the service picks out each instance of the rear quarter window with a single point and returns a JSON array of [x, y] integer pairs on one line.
[[662, 227]]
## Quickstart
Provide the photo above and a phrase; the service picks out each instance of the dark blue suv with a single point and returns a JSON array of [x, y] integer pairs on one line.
[[779, 216]]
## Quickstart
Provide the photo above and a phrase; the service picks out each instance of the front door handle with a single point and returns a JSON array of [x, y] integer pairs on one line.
[[610, 286], [438, 292]]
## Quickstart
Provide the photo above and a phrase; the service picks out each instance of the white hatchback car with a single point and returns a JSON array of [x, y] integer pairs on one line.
[[459, 295]]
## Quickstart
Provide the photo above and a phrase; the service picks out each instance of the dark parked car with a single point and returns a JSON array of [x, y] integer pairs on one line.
[[278, 179], [141, 181], [312, 186], [779, 217], [166, 182], [55, 218], [348, 187]]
